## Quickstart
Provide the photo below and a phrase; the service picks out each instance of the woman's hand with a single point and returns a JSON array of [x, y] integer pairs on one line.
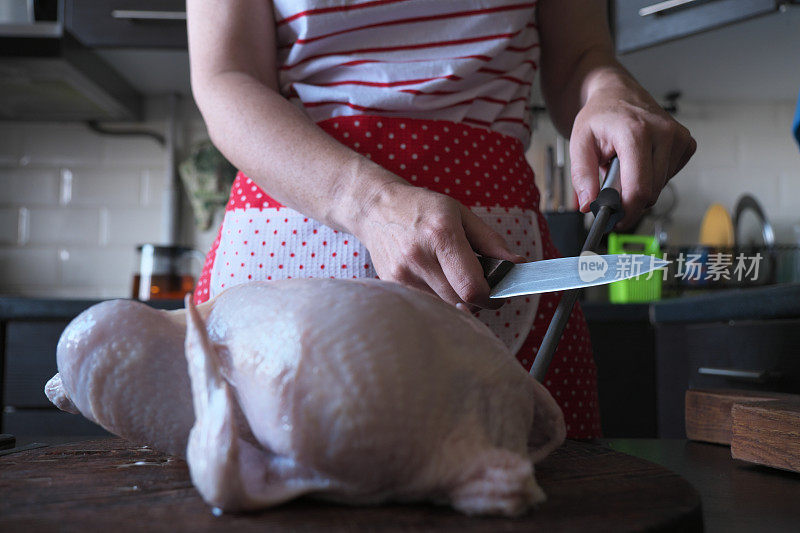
[[428, 240], [620, 118], [595, 102]]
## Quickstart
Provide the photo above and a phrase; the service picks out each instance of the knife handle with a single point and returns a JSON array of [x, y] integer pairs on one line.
[[494, 269]]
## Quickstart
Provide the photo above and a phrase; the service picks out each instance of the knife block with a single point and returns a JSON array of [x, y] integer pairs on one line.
[[760, 427], [567, 231]]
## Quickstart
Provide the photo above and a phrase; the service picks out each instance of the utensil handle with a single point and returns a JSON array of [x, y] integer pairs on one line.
[[756, 376], [494, 269], [663, 7], [609, 197], [142, 15]]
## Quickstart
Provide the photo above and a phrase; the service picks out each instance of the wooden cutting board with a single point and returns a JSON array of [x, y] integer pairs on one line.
[[709, 411], [760, 427], [767, 433], [97, 486]]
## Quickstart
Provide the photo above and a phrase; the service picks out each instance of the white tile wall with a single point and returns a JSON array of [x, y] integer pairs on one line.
[[133, 226], [27, 268], [49, 144], [29, 186], [788, 193], [109, 186], [9, 230], [134, 151], [10, 144], [743, 147], [153, 183], [108, 267], [84, 200], [60, 226]]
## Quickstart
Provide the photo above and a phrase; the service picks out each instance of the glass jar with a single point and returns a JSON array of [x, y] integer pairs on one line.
[[164, 272]]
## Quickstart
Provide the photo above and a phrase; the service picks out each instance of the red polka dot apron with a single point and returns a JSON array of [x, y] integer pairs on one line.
[[262, 240]]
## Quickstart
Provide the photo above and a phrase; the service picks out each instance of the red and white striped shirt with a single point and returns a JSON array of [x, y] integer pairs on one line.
[[470, 61]]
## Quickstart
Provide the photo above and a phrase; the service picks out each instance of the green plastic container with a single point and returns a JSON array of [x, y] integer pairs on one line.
[[638, 289]]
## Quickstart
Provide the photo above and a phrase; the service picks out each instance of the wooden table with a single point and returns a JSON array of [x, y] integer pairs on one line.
[[97, 486]]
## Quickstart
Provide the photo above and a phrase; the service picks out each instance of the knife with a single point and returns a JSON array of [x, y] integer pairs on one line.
[[508, 279], [607, 209]]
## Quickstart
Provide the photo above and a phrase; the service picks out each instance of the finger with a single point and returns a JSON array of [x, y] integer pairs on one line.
[[463, 307], [484, 239], [584, 166], [403, 276], [463, 271], [662, 165], [435, 279], [419, 283], [681, 157], [636, 175], [432, 280]]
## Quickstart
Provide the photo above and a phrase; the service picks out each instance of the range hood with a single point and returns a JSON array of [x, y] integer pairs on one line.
[[45, 74]]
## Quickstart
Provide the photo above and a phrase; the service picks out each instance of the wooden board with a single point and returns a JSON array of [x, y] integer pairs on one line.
[[96, 486], [708, 411], [767, 433]]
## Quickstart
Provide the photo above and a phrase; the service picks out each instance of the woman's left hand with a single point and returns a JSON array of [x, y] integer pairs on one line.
[[620, 118]]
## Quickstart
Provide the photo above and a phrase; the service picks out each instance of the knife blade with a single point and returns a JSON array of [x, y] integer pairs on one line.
[[550, 275]]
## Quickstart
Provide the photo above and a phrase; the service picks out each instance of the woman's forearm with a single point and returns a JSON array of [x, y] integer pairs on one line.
[[605, 113], [284, 153], [235, 84], [594, 70], [577, 57]]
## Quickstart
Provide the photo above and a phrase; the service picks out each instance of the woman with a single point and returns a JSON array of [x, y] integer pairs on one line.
[[386, 138]]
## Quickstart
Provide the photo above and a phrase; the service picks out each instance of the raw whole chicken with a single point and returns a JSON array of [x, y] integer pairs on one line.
[[357, 391]]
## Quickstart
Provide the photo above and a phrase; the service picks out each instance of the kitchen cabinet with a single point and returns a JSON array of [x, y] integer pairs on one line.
[[47, 75], [638, 24], [760, 355], [127, 23], [623, 342], [30, 361], [29, 354], [29, 333], [649, 355]]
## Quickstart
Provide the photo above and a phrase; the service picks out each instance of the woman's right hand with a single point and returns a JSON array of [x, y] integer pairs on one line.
[[427, 240]]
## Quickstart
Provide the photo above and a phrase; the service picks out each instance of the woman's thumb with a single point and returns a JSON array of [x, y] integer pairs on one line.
[[585, 170]]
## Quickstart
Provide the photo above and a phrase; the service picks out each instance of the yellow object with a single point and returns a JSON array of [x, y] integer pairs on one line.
[[717, 227]]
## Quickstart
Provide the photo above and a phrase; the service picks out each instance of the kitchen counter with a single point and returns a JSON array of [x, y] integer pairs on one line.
[[736, 496], [21, 308], [773, 301]]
